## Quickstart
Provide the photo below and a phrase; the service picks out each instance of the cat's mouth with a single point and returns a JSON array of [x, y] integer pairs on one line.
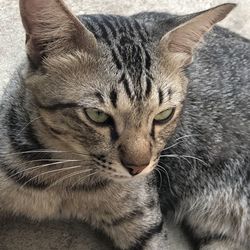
[[123, 170], [133, 172]]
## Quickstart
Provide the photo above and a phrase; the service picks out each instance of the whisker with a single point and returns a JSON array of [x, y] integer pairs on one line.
[[186, 136], [183, 157], [68, 176], [167, 175], [49, 172], [41, 151], [173, 145], [179, 140], [86, 177], [40, 166], [169, 156], [158, 171], [179, 157], [20, 132], [195, 158]]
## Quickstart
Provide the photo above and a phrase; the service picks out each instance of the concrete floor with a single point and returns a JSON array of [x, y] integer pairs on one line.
[[20, 234]]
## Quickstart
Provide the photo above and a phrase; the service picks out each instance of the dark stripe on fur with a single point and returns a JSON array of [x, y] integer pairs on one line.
[[104, 34], [210, 239], [170, 92], [57, 106], [131, 30], [148, 60], [135, 214], [148, 235], [194, 242], [110, 26], [126, 85], [99, 96], [152, 132], [113, 133], [148, 88], [139, 30], [116, 60], [160, 96], [248, 176], [198, 241], [113, 98], [152, 204], [127, 89], [90, 187]]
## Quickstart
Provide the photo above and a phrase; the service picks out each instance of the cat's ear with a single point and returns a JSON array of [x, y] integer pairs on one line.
[[51, 28], [182, 40]]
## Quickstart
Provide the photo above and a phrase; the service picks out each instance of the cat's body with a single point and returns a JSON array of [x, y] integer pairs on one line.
[[41, 111], [210, 175]]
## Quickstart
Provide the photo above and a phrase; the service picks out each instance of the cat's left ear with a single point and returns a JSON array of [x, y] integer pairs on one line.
[[180, 42]]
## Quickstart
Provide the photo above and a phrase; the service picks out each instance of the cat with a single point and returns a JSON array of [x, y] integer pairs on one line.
[[110, 122]]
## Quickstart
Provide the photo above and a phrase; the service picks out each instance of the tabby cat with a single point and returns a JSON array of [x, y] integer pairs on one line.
[[101, 124]]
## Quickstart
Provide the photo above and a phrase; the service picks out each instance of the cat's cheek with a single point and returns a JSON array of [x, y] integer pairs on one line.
[[165, 132]]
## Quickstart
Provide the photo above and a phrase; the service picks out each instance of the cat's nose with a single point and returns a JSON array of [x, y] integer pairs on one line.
[[135, 170], [135, 162], [132, 168]]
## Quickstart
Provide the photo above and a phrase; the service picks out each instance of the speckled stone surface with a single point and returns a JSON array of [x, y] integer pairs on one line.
[[21, 234]]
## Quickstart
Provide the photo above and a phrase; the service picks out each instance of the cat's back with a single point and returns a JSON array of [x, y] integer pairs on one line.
[[218, 101]]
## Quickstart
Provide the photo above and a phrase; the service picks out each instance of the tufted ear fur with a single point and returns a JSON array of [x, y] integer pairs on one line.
[[51, 28], [182, 40]]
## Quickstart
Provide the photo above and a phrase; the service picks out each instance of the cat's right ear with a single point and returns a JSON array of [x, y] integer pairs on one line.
[[180, 43], [51, 28]]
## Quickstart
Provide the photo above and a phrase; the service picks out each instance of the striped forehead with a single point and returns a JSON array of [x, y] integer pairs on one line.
[[118, 98], [129, 46]]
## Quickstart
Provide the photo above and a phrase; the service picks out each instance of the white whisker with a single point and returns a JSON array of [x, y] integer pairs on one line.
[[40, 166], [195, 158], [158, 171], [49, 172], [167, 175], [41, 151], [68, 176], [20, 132], [85, 177], [179, 140]]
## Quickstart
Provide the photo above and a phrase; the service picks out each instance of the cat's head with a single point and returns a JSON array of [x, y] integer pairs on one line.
[[108, 88]]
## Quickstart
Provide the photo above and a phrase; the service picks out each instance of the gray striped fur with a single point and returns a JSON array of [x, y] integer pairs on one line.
[[56, 163]]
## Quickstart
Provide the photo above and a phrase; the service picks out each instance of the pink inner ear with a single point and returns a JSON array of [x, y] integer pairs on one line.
[[187, 36]]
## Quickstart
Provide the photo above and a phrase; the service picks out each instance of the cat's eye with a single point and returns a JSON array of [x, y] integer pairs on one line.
[[164, 116], [96, 115]]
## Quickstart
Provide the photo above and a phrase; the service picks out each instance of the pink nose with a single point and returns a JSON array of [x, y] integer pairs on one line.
[[136, 170], [135, 159]]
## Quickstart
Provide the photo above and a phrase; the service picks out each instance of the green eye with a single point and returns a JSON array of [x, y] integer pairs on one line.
[[164, 116], [96, 115]]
